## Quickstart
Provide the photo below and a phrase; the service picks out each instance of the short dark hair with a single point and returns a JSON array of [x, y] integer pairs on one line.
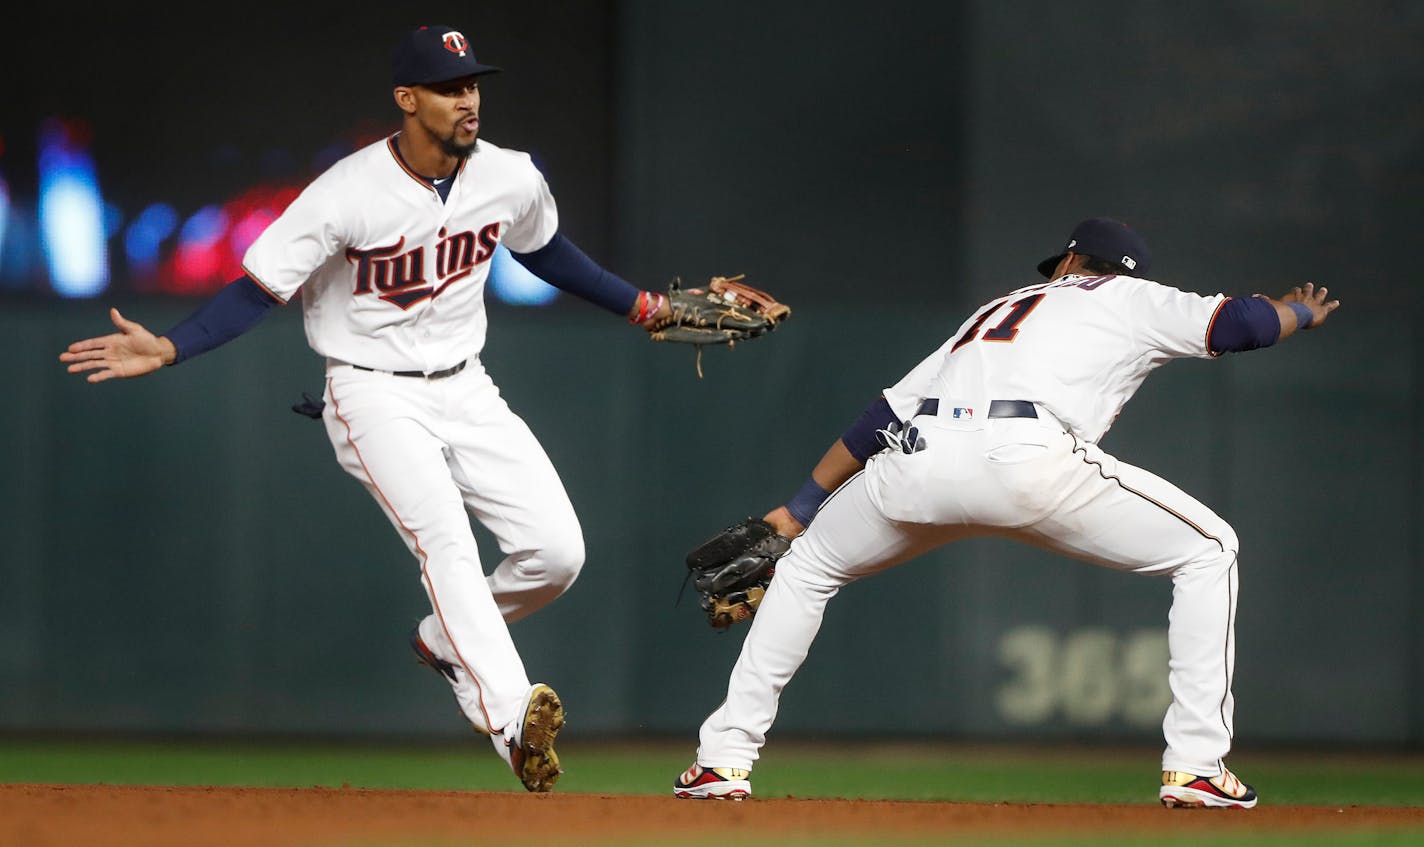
[[1104, 267]]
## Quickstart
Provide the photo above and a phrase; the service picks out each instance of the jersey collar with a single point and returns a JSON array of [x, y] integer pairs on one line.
[[410, 172]]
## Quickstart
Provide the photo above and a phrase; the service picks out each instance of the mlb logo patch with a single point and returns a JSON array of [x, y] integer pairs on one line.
[[962, 414]]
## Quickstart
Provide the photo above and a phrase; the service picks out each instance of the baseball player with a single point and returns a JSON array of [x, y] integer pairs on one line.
[[996, 433], [390, 249]]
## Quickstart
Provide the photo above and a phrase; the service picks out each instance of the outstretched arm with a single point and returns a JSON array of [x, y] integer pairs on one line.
[[1251, 323], [563, 265], [130, 352], [134, 351]]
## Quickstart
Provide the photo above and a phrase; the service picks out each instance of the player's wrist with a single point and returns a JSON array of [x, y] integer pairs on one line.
[[1303, 316], [167, 351], [802, 507], [647, 307]]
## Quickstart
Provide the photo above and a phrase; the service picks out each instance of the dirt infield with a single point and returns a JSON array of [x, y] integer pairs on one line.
[[43, 815]]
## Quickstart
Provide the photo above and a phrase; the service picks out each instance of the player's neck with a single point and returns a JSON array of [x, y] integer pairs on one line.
[[425, 156]]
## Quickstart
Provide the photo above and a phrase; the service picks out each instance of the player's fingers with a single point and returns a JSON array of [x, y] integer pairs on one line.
[[92, 343], [85, 354], [89, 365]]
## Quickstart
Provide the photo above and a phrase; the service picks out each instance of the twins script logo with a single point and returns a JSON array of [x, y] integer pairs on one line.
[[455, 43], [398, 276]]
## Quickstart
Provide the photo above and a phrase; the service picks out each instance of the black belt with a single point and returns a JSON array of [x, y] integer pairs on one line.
[[997, 408], [432, 375]]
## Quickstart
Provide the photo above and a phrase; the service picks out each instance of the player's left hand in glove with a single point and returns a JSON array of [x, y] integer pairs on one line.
[[732, 569], [725, 312]]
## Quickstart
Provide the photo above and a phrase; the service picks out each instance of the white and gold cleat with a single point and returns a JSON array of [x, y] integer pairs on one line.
[[529, 748]]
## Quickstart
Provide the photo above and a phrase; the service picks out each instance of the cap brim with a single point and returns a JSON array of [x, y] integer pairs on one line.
[[1047, 265], [472, 70]]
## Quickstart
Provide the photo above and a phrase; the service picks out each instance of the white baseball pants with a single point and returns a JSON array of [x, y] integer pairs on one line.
[[428, 450], [1020, 478]]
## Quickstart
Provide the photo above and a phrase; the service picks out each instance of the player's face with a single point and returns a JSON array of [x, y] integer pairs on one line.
[[450, 112]]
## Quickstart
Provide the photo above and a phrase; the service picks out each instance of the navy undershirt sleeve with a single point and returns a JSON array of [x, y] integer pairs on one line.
[[1244, 323], [563, 265], [860, 438], [238, 307]]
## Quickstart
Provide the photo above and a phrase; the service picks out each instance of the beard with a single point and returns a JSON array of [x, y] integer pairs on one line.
[[456, 149]]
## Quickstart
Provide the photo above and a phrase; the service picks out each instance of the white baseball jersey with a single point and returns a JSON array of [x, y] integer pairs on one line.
[[1080, 345], [391, 277]]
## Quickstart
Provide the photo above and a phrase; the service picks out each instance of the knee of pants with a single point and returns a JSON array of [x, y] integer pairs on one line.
[[1220, 551], [559, 561]]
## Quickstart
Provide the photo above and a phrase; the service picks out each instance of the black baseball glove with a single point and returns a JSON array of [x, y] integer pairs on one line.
[[725, 312], [732, 569]]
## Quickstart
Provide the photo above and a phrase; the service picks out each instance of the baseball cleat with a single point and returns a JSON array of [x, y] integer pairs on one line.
[[429, 659], [1185, 790], [699, 783], [531, 746]]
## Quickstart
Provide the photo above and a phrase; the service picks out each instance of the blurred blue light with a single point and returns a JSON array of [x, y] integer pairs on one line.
[[206, 226], [513, 283], [4, 218], [71, 216], [24, 259], [147, 232]]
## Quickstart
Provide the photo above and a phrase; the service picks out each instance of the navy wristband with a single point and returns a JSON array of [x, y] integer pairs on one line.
[[804, 505], [1303, 316]]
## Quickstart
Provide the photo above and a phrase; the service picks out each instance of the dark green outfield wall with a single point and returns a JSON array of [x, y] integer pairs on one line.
[[181, 553]]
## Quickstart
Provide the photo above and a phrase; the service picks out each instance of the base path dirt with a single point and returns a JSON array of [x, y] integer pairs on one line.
[[156, 816]]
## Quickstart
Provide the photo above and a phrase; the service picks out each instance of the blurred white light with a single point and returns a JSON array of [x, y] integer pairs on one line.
[[72, 228], [513, 283], [71, 214]]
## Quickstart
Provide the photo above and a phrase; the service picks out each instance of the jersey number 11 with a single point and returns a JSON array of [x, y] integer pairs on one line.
[[1008, 328]]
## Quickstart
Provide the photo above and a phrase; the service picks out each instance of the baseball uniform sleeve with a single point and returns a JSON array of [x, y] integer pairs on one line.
[[538, 220], [1173, 322], [307, 233]]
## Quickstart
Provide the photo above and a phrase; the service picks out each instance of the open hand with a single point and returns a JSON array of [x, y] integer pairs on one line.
[[132, 351], [1313, 299]]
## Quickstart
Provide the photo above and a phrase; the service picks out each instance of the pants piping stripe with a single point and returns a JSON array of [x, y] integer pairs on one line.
[[1225, 664], [1078, 448], [424, 557]]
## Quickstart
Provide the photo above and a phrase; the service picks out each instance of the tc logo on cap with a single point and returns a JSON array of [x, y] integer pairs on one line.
[[456, 43]]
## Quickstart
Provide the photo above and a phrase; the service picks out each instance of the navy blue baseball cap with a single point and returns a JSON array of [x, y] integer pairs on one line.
[[434, 53], [1106, 239]]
